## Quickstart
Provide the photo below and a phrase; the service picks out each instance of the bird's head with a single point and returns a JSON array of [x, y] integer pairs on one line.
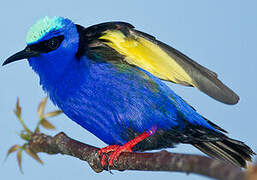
[[52, 43]]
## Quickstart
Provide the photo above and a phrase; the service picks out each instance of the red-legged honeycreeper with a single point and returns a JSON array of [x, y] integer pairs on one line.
[[107, 78]]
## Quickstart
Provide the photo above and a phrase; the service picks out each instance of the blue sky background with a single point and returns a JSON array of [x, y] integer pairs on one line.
[[221, 35]]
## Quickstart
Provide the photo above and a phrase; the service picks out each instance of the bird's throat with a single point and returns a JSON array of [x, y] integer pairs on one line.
[[50, 73]]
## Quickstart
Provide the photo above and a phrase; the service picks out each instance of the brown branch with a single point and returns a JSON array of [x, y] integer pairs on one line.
[[161, 161]]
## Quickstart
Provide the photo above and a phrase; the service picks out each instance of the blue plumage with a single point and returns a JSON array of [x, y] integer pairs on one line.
[[117, 101], [107, 101]]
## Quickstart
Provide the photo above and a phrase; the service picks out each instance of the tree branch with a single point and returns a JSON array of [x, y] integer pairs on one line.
[[160, 161]]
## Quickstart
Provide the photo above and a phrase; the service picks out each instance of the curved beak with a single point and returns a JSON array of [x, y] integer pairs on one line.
[[24, 54]]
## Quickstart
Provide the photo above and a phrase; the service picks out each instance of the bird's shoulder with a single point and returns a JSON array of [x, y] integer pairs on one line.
[[96, 48]]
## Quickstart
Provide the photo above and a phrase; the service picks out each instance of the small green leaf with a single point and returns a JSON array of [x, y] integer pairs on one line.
[[46, 124], [33, 155], [17, 110], [12, 149], [41, 107], [19, 156], [52, 114], [25, 136]]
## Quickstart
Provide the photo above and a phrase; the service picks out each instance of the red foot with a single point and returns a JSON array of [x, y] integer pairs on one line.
[[106, 150], [127, 147]]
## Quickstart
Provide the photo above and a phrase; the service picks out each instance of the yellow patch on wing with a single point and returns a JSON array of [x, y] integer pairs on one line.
[[148, 56]]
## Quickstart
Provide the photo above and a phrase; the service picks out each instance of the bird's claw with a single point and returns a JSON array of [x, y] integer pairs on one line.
[[113, 157], [117, 150]]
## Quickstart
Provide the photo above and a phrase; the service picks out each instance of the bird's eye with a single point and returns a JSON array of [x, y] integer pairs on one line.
[[53, 43], [48, 45]]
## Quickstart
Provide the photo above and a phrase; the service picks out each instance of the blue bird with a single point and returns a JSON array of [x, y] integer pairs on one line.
[[107, 78]]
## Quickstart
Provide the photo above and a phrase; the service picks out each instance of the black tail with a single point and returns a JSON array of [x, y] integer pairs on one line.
[[230, 150]]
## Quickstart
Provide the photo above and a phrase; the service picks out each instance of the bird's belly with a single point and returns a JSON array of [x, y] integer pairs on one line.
[[112, 122], [95, 117]]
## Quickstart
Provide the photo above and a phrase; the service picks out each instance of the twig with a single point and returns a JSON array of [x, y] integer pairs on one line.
[[161, 161]]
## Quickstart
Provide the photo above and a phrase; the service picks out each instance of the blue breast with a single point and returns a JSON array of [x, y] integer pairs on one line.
[[110, 100]]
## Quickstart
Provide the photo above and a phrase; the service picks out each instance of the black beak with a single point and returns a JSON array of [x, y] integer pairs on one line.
[[24, 54]]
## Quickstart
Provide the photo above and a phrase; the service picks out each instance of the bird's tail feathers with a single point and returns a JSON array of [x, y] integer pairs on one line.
[[230, 150]]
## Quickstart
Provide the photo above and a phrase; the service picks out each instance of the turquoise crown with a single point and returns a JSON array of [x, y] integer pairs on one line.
[[42, 27]]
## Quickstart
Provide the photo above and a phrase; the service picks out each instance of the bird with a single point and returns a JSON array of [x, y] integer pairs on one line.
[[108, 78]]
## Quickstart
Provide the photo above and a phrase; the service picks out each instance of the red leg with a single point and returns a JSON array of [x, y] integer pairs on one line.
[[127, 147]]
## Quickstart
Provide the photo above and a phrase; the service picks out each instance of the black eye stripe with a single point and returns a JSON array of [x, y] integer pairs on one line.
[[45, 46]]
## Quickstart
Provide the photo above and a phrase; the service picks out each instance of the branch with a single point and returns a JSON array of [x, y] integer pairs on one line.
[[161, 161]]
